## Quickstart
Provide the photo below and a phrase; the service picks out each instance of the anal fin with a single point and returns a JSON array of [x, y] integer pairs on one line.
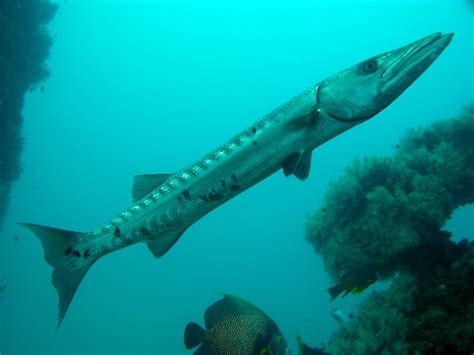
[[159, 246]]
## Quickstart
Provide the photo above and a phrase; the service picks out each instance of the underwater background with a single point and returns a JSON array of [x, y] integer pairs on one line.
[[140, 87]]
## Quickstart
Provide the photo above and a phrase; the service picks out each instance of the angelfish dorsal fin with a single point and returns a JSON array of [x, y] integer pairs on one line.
[[298, 164], [144, 184], [227, 306]]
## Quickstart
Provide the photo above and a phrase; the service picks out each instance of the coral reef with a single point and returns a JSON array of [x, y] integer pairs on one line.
[[392, 210], [24, 45], [381, 205]]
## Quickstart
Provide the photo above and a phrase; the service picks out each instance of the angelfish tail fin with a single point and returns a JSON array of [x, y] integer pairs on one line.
[[70, 264], [193, 335]]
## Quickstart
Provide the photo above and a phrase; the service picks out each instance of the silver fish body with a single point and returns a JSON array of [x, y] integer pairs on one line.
[[166, 205]]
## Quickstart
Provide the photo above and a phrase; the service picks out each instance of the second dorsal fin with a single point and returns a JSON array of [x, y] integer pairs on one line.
[[144, 184]]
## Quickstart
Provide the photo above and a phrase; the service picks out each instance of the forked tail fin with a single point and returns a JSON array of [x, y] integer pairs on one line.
[[62, 253]]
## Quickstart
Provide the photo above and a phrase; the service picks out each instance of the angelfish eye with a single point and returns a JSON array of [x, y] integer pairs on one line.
[[280, 339], [370, 66]]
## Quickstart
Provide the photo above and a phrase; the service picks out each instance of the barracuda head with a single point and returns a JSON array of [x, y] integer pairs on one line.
[[363, 90]]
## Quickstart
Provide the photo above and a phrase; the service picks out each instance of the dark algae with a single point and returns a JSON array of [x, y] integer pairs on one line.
[[383, 220], [24, 46]]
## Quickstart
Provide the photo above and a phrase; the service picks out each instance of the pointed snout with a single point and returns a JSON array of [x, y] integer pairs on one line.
[[412, 60], [436, 41]]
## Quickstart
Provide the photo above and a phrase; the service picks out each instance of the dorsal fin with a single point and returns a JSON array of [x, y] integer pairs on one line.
[[144, 184], [298, 164], [229, 305]]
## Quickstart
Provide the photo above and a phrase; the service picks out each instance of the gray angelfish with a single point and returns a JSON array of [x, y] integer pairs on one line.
[[235, 326]]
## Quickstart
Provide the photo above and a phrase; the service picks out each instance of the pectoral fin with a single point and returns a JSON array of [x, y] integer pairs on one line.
[[144, 184], [298, 164]]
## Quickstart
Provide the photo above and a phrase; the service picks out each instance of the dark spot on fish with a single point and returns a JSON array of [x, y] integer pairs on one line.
[[214, 195], [76, 253], [68, 251], [223, 183], [187, 195], [255, 143], [145, 231], [87, 253], [203, 197], [235, 183], [254, 130], [117, 232]]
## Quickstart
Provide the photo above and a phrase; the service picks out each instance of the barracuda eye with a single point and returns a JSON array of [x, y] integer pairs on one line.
[[369, 66]]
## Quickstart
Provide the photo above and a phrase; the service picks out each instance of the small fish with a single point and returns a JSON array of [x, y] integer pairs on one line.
[[308, 350], [3, 288], [235, 326], [357, 279], [16, 238], [340, 316]]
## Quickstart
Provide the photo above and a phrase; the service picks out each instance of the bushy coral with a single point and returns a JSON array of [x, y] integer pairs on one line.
[[381, 323], [378, 208], [428, 309], [393, 209], [24, 46]]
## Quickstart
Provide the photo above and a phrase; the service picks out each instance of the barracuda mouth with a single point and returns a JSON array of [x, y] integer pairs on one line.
[[417, 56]]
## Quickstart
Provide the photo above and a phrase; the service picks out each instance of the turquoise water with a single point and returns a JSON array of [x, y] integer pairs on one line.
[[149, 87]]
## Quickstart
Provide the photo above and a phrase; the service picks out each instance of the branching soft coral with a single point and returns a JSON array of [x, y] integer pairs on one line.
[[378, 207], [380, 326], [391, 211]]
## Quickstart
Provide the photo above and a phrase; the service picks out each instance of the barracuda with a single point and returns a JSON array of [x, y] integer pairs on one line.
[[166, 205]]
